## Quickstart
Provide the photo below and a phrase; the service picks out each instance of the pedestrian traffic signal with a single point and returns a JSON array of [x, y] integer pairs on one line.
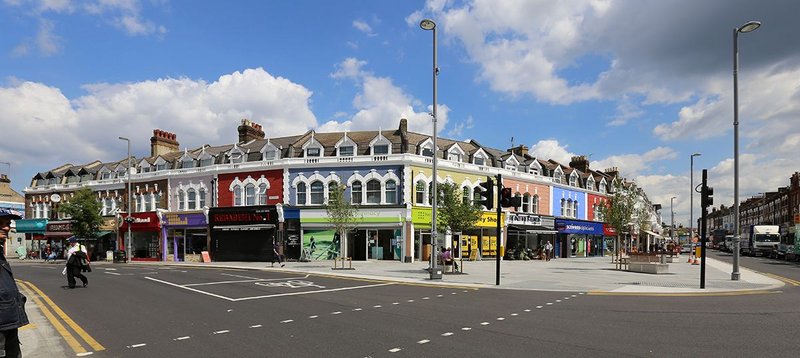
[[706, 196], [487, 194], [507, 199]]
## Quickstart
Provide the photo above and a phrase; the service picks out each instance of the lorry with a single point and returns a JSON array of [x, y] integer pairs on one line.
[[763, 239]]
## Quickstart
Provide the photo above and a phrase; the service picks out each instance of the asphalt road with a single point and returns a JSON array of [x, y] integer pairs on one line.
[[154, 311]]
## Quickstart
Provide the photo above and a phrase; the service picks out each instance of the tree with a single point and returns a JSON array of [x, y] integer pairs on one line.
[[341, 214], [84, 209], [453, 212], [619, 211]]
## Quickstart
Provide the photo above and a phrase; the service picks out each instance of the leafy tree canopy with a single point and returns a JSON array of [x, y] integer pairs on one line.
[[84, 209]]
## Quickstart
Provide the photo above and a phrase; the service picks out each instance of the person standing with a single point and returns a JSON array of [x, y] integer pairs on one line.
[[548, 249], [276, 254], [12, 302], [76, 256]]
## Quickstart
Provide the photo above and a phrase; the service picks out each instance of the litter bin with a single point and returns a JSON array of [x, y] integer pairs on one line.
[[119, 257]]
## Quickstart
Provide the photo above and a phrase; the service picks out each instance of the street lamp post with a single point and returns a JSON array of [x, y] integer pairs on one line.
[[128, 219], [747, 27], [691, 193], [430, 25], [672, 220]]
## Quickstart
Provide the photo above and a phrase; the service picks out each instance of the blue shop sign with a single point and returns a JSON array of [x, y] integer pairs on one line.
[[579, 227], [32, 226]]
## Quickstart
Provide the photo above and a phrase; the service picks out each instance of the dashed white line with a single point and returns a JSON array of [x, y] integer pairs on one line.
[[410, 300], [439, 295], [287, 321], [527, 310], [484, 323], [395, 303], [539, 307], [256, 326], [337, 312], [581, 293], [377, 306], [426, 298], [113, 273], [566, 298], [137, 345], [465, 328], [501, 319], [181, 338], [447, 334], [453, 293], [312, 317], [558, 301], [423, 341], [549, 303], [465, 291], [222, 332], [574, 296], [395, 350], [84, 354], [357, 309]]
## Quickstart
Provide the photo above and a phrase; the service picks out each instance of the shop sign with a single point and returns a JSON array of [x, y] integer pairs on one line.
[[579, 227], [424, 217], [185, 219], [524, 219], [609, 231], [59, 228], [253, 215], [108, 225], [488, 220], [36, 226], [147, 221]]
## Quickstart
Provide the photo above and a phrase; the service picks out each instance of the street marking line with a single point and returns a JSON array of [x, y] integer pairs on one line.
[[515, 314], [222, 331], [790, 281], [307, 292], [241, 281], [84, 354], [395, 350], [190, 289], [75, 327], [465, 328], [501, 319], [255, 326], [68, 337], [337, 312], [181, 338], [538, 307], [28, 326], [447, 334], [357, 309], [287, 321], [312, 317], [137, 345], [423, 341], [484, 323], [377, 306], [113, 273], [684, 294]]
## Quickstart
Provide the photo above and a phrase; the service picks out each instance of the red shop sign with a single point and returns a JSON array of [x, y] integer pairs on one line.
[[141, 222], [609, 231]]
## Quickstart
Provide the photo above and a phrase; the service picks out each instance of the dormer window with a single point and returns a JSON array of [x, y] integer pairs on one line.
[[313, 152], [479, 161], [206, 162], [237, 157], [479, 158], [380, 149], [427, 152], [603, 187], [106, 175], [590, 183], [456, 157], [346, 151], [511, 166], [573, 179], [161, 166], [270, 154], [187, 163]]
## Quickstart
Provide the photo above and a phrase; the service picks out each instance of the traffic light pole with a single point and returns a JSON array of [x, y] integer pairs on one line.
[[497, 240], [703, 229]]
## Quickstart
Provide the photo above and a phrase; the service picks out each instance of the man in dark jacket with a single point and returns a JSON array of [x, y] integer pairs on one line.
[[12, 303]]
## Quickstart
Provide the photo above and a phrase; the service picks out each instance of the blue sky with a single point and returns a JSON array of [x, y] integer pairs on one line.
[[639, 85]]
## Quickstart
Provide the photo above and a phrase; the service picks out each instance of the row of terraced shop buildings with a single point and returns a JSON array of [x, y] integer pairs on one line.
[[233, 200]]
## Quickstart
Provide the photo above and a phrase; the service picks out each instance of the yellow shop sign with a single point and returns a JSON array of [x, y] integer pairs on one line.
[[423, 217]]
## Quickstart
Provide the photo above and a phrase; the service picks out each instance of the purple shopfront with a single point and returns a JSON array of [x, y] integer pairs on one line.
[[185, 236]]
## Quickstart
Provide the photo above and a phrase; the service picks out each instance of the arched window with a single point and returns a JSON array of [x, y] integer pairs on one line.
[[249, 194], [332, 186], [563, 207], [603, 188], [465, 195], [420, 191], [430, 193], [374, 191], [575, 209], [237, 195], [301, 193], [202, 198], [356, 192], [535, 204], [181, 200], [526, 203], [518, 195], [262, 194], [573, 180], [476, 194], [191, 203], [391, 192], [317, 193]]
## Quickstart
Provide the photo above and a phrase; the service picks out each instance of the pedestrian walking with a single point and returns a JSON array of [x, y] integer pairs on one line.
[[548, 249], [276, 255], [77, 259], [12, 302]]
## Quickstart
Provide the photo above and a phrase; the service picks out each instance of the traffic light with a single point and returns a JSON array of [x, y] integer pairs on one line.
[[487, 194], [507, 199], [706, 196]]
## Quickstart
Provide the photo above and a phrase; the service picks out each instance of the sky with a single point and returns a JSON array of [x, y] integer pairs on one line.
[[634, 84]]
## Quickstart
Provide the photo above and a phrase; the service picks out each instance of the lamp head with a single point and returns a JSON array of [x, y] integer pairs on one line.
[[749, 26], [427, 24], [696, 154]]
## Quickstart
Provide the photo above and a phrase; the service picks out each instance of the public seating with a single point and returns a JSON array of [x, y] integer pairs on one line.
[[647, 263]]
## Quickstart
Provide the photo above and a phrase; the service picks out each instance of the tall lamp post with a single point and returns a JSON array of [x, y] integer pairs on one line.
[[672, 220], [747, 27], [129, 218], [429, 25], [691, 193]]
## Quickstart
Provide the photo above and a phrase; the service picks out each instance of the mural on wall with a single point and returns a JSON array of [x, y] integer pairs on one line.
[[320, 245]]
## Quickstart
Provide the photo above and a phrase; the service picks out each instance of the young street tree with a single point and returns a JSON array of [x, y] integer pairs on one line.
[[341, 214], [454, 212], [622, 213], [84, 209]]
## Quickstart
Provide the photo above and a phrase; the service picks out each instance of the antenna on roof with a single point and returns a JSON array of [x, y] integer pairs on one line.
[[512, 142]]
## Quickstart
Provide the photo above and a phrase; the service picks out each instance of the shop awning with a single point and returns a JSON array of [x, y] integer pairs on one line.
[[102, 233], [654, 234], [33, 226], [530, 229]]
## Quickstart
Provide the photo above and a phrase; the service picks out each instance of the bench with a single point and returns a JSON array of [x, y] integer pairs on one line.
[[648, 267]]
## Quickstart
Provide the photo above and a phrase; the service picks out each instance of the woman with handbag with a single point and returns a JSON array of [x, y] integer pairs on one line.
[[77, 259]]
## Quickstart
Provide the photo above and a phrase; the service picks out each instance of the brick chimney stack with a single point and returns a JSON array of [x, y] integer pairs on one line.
[[521, 150], [163, 142], [249, 131], [580, 162], [403, 131], [612, 172]]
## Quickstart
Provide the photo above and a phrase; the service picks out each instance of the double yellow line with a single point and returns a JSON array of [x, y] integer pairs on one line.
[[51, 310], [790, 281]]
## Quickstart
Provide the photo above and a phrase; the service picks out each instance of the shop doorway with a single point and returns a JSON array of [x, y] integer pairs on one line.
[[422, 242]]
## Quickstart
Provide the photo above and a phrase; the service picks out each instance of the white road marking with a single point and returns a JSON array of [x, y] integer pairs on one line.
[[581, 293], [357, 309], [256, 326], [377, 306], [137, 345], [514, 314], [84, 354], [465, 291], [311, 292], [549, 303], [423, 341], [395, 303], [109, 269], [574, 296], [230, 310], [538, 307], [287, 321], [312, 317], [566, 298], [439, 295], [465, 328], [242, 281], [453, 293], [425, 298], [484, 323], [222, 331], [527, 310], [337, 312], [501, 319], [394, 350], [113, 273], [558, 301], [181, 338], [410, 300], [447, 334], [190, 289]]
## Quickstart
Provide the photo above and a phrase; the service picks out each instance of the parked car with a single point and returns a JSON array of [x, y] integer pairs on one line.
[[779, 252], [686, 248], [791, 255]]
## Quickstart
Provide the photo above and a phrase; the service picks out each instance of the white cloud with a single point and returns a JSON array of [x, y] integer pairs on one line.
[[46, 40], [551, 149], [632, 165], [364, 27], [458, 128]]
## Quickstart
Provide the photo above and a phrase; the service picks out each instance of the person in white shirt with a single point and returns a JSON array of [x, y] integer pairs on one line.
[[74, 262]]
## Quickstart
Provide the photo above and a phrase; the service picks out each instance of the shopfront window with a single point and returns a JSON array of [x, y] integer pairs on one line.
[[373, 192]]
